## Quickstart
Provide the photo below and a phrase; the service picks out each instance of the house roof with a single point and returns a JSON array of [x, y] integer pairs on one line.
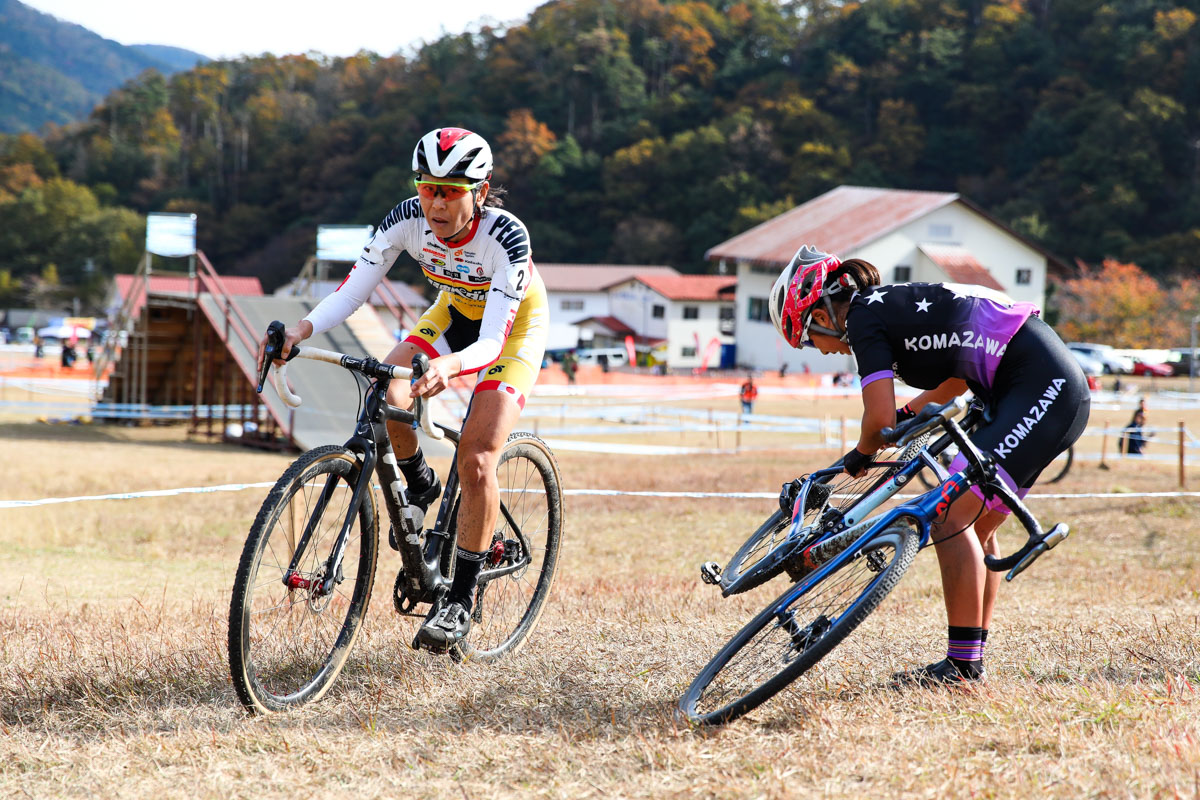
[[846, 218], [960, 265], [838, 221], [611, 323], [618, 329], [688, 287], [594, 277]]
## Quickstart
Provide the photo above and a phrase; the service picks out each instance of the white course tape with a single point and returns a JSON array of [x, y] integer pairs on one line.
[[237, 487], [46, 501]]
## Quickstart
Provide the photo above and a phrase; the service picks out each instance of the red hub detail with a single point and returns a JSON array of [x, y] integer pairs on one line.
[[294, 581], [497, 553]]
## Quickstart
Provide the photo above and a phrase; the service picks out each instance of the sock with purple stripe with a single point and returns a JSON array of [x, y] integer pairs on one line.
[[965, 649]]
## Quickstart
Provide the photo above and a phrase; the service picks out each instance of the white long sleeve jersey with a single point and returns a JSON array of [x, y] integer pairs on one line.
[[485, 277]]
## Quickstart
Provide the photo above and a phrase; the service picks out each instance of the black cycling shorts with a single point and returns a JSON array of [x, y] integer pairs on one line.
[[1040, 404]]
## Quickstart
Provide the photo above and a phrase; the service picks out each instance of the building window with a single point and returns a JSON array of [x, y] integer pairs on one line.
[[1024, 277], [757, 311], [903, 273], [688, 352], [691, 312], [725, 317], [940, 231], [571, 305]]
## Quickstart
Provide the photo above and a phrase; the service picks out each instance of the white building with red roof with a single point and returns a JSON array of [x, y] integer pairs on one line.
[[578, 292], [932, 237], [693, 316]]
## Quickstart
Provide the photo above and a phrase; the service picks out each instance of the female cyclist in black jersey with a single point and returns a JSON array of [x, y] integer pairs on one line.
[[944, 339]]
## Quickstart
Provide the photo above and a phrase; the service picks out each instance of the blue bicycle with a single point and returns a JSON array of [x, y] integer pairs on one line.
[[845, 562]]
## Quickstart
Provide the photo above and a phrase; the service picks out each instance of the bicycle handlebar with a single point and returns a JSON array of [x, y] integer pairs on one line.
[[930, 417], [420, 363]]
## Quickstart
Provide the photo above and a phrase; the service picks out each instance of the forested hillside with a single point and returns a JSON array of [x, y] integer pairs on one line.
[[648, 130], [55, 71]]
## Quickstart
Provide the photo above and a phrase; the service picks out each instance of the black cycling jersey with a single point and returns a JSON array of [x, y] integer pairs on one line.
[[926, 333]]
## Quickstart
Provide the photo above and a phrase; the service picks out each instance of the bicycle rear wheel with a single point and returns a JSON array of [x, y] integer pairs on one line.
[[520, 569], [798, 629], [753, 564], [288, 643], [1060, 466]]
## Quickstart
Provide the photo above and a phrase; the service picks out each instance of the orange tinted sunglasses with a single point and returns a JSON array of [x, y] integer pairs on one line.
[[450, 191]]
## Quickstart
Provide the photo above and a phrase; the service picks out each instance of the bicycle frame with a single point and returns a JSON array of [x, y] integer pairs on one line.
[[856, 527], [421, 550]]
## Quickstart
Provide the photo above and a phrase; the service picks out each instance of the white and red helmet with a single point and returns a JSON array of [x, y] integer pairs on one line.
[[453, 153], [798, 289]]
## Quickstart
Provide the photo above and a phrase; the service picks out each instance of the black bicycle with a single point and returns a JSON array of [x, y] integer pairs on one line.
[[306, 572], [845, 561]]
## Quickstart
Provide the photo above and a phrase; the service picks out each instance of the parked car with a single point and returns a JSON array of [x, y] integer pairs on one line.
[[1091, 366], [1112, 362], [615, 356], [1180, 361], [1152, 369]]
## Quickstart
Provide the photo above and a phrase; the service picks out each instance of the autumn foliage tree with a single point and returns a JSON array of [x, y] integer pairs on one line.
[[1119, 304]]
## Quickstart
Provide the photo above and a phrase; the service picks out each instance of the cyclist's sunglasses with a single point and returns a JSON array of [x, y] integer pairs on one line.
[[450, 191]]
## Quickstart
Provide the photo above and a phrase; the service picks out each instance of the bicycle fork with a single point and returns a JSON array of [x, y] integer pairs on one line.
[[331, 574]]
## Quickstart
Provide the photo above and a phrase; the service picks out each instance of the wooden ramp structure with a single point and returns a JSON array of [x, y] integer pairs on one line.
[[186, 350]]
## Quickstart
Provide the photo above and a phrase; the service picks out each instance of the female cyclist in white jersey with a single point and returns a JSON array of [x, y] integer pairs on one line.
[[490, 315]]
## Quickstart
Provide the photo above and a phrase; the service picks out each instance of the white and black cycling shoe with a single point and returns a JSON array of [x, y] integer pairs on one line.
[[446, 627]]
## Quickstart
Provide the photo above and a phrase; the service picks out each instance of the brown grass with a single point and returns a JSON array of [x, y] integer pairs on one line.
[[114, 681]]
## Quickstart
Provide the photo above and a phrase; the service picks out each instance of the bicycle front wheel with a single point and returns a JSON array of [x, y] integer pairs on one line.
[[798, 629], [755, 563], [288, 640], [521, 565]]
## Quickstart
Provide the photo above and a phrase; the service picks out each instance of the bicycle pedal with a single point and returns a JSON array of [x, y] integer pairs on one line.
[[710, 573]]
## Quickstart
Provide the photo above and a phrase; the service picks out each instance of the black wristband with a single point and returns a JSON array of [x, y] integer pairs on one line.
[[904, 412]]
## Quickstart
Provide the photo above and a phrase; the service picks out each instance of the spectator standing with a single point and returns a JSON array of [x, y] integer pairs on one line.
[[748, 394], [570, 363]]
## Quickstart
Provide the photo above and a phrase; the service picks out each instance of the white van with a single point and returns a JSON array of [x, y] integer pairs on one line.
[[615, 356]]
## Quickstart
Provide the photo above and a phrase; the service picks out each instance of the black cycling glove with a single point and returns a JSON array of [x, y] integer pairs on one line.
[[905, 412], [855, 462]]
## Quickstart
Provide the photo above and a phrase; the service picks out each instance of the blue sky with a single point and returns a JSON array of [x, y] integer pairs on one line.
[[229, 28]]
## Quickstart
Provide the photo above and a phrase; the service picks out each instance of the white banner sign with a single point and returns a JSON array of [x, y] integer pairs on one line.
[[341, 242], [172, 235]]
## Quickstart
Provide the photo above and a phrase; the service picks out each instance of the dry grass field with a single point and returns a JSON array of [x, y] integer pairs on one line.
[[114, 676]]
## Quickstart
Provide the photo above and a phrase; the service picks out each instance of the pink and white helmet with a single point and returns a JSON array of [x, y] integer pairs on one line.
[[453, 153], [798, 288]]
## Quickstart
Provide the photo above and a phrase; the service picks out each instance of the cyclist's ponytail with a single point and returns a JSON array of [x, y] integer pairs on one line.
[[862, 274]]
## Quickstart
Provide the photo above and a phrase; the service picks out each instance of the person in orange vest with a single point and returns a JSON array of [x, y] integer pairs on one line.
[[748, 394]]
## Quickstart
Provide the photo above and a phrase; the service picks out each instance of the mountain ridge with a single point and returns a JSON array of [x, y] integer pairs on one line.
[[54, 71]]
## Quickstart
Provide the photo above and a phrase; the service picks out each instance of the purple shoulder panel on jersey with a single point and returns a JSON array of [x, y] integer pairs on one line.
[[994, 326]]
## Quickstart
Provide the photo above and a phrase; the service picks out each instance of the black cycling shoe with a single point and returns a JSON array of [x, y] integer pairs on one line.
[[422, 501], [941, 673], [444, 628]]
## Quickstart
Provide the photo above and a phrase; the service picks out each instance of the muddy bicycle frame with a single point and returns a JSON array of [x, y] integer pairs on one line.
[[422, 550]]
